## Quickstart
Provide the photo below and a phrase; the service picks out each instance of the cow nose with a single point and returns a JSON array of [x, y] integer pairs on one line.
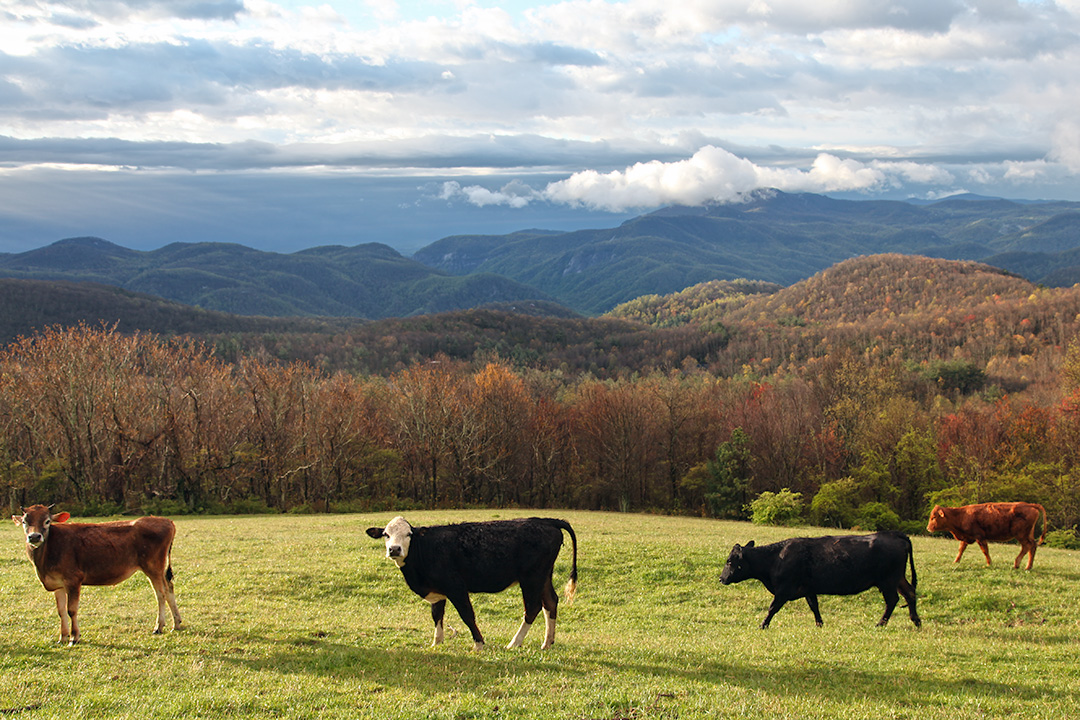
[[394, 551], [34, 538]]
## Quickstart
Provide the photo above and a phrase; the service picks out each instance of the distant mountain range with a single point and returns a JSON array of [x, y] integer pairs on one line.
[[775, 237], [366, 281]]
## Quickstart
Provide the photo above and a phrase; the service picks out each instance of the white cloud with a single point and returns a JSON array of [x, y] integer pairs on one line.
[[1066, 145], [716, 175]]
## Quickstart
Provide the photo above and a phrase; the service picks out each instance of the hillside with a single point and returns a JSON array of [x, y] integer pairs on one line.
[[366, 281], [27, 306], [888, 308], [776, 237], [893, 308]]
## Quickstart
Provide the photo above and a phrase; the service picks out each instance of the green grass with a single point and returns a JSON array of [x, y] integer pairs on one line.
[[302, 616]]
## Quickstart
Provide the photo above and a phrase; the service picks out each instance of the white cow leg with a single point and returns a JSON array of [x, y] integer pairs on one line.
[[549, 639], [520, 636]]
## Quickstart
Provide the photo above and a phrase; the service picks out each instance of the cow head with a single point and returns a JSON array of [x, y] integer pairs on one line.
[[36, 521], [398, 535], [937, 519], [736, 569]]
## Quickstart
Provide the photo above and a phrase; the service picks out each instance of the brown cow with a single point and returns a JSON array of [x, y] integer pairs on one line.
[[69, 556], [992, 522]]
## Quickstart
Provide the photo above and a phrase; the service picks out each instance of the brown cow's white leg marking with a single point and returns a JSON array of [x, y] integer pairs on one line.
[[520, 636], [549, 639]]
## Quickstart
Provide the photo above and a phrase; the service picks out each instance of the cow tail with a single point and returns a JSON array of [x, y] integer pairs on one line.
[[911, 561], [1042, 515], [571, 585]]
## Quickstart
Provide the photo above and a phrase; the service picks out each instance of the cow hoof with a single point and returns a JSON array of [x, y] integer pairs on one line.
[[477, 647]]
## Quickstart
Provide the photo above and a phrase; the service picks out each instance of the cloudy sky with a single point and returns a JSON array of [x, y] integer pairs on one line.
[[284, 124]]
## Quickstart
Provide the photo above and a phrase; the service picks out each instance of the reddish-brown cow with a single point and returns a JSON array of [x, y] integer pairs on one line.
[[69, 556], [992, 522]]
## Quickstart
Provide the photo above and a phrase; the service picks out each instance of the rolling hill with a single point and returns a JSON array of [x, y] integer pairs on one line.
[[30, 305], [368, 281], [777, 237]]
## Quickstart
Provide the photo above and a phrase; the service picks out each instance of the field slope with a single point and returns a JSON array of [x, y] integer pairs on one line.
[[300, 616]]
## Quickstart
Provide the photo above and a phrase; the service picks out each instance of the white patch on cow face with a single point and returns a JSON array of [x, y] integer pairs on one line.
[[37, 531], [398, 534]]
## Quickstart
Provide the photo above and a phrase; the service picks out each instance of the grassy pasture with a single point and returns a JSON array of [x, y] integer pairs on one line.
[[302, 616]]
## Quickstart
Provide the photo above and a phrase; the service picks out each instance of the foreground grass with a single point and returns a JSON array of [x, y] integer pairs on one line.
[[302, 616]]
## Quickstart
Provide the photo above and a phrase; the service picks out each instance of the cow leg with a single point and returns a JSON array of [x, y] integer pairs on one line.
[[909, 596], [986, 550], [551, 611], [891, 597], [170, 597], [1026, 548], [438, 609], [161, 591], [464, 607], [774, 607], [530, 596], [65, 619], [963, 547], [811, 600], [73, 593]]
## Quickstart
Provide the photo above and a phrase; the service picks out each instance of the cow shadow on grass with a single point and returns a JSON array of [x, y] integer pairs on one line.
[[830, 681], [443, 669]]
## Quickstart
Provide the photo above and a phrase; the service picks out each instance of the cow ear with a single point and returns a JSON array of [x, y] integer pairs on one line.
[[17, 519], [750, 544], [61, 517], [375, 532]]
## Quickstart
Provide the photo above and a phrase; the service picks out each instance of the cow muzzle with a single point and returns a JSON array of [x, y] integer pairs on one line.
[[34, 539], [394, 551]]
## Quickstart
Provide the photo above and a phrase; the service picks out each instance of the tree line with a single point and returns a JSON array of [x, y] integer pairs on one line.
[[105, 422]]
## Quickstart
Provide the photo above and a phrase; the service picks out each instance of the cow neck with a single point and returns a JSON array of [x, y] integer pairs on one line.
[[760, 559], [410, 566]]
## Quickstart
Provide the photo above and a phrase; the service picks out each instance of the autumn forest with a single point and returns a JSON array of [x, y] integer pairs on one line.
[[864, 395]]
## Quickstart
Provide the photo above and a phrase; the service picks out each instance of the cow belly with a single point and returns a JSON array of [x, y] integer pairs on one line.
[[842, 586], [108, 576]]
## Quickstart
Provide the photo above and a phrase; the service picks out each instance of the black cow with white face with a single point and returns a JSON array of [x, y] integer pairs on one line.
[[835, 565], [447, 562]]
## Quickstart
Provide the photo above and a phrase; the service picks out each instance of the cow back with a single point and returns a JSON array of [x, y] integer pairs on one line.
[[486, 557], [993, 521], [842, 565], [106, 553]]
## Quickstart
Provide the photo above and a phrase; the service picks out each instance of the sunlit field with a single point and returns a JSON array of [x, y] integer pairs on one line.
[[303, 616]]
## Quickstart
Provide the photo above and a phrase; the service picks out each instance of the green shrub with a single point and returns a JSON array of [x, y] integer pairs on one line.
[[835, 504], [1065, 539], [782, 508], [874, 516]]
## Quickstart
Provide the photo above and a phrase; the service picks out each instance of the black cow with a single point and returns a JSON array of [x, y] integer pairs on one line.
[[841, 565], [447, 562]]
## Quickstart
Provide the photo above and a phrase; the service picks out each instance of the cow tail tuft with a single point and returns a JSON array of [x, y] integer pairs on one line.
[[1041, 520], [570, 589]]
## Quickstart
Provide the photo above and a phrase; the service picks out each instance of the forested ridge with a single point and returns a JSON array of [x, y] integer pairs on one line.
[[873, 389]]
